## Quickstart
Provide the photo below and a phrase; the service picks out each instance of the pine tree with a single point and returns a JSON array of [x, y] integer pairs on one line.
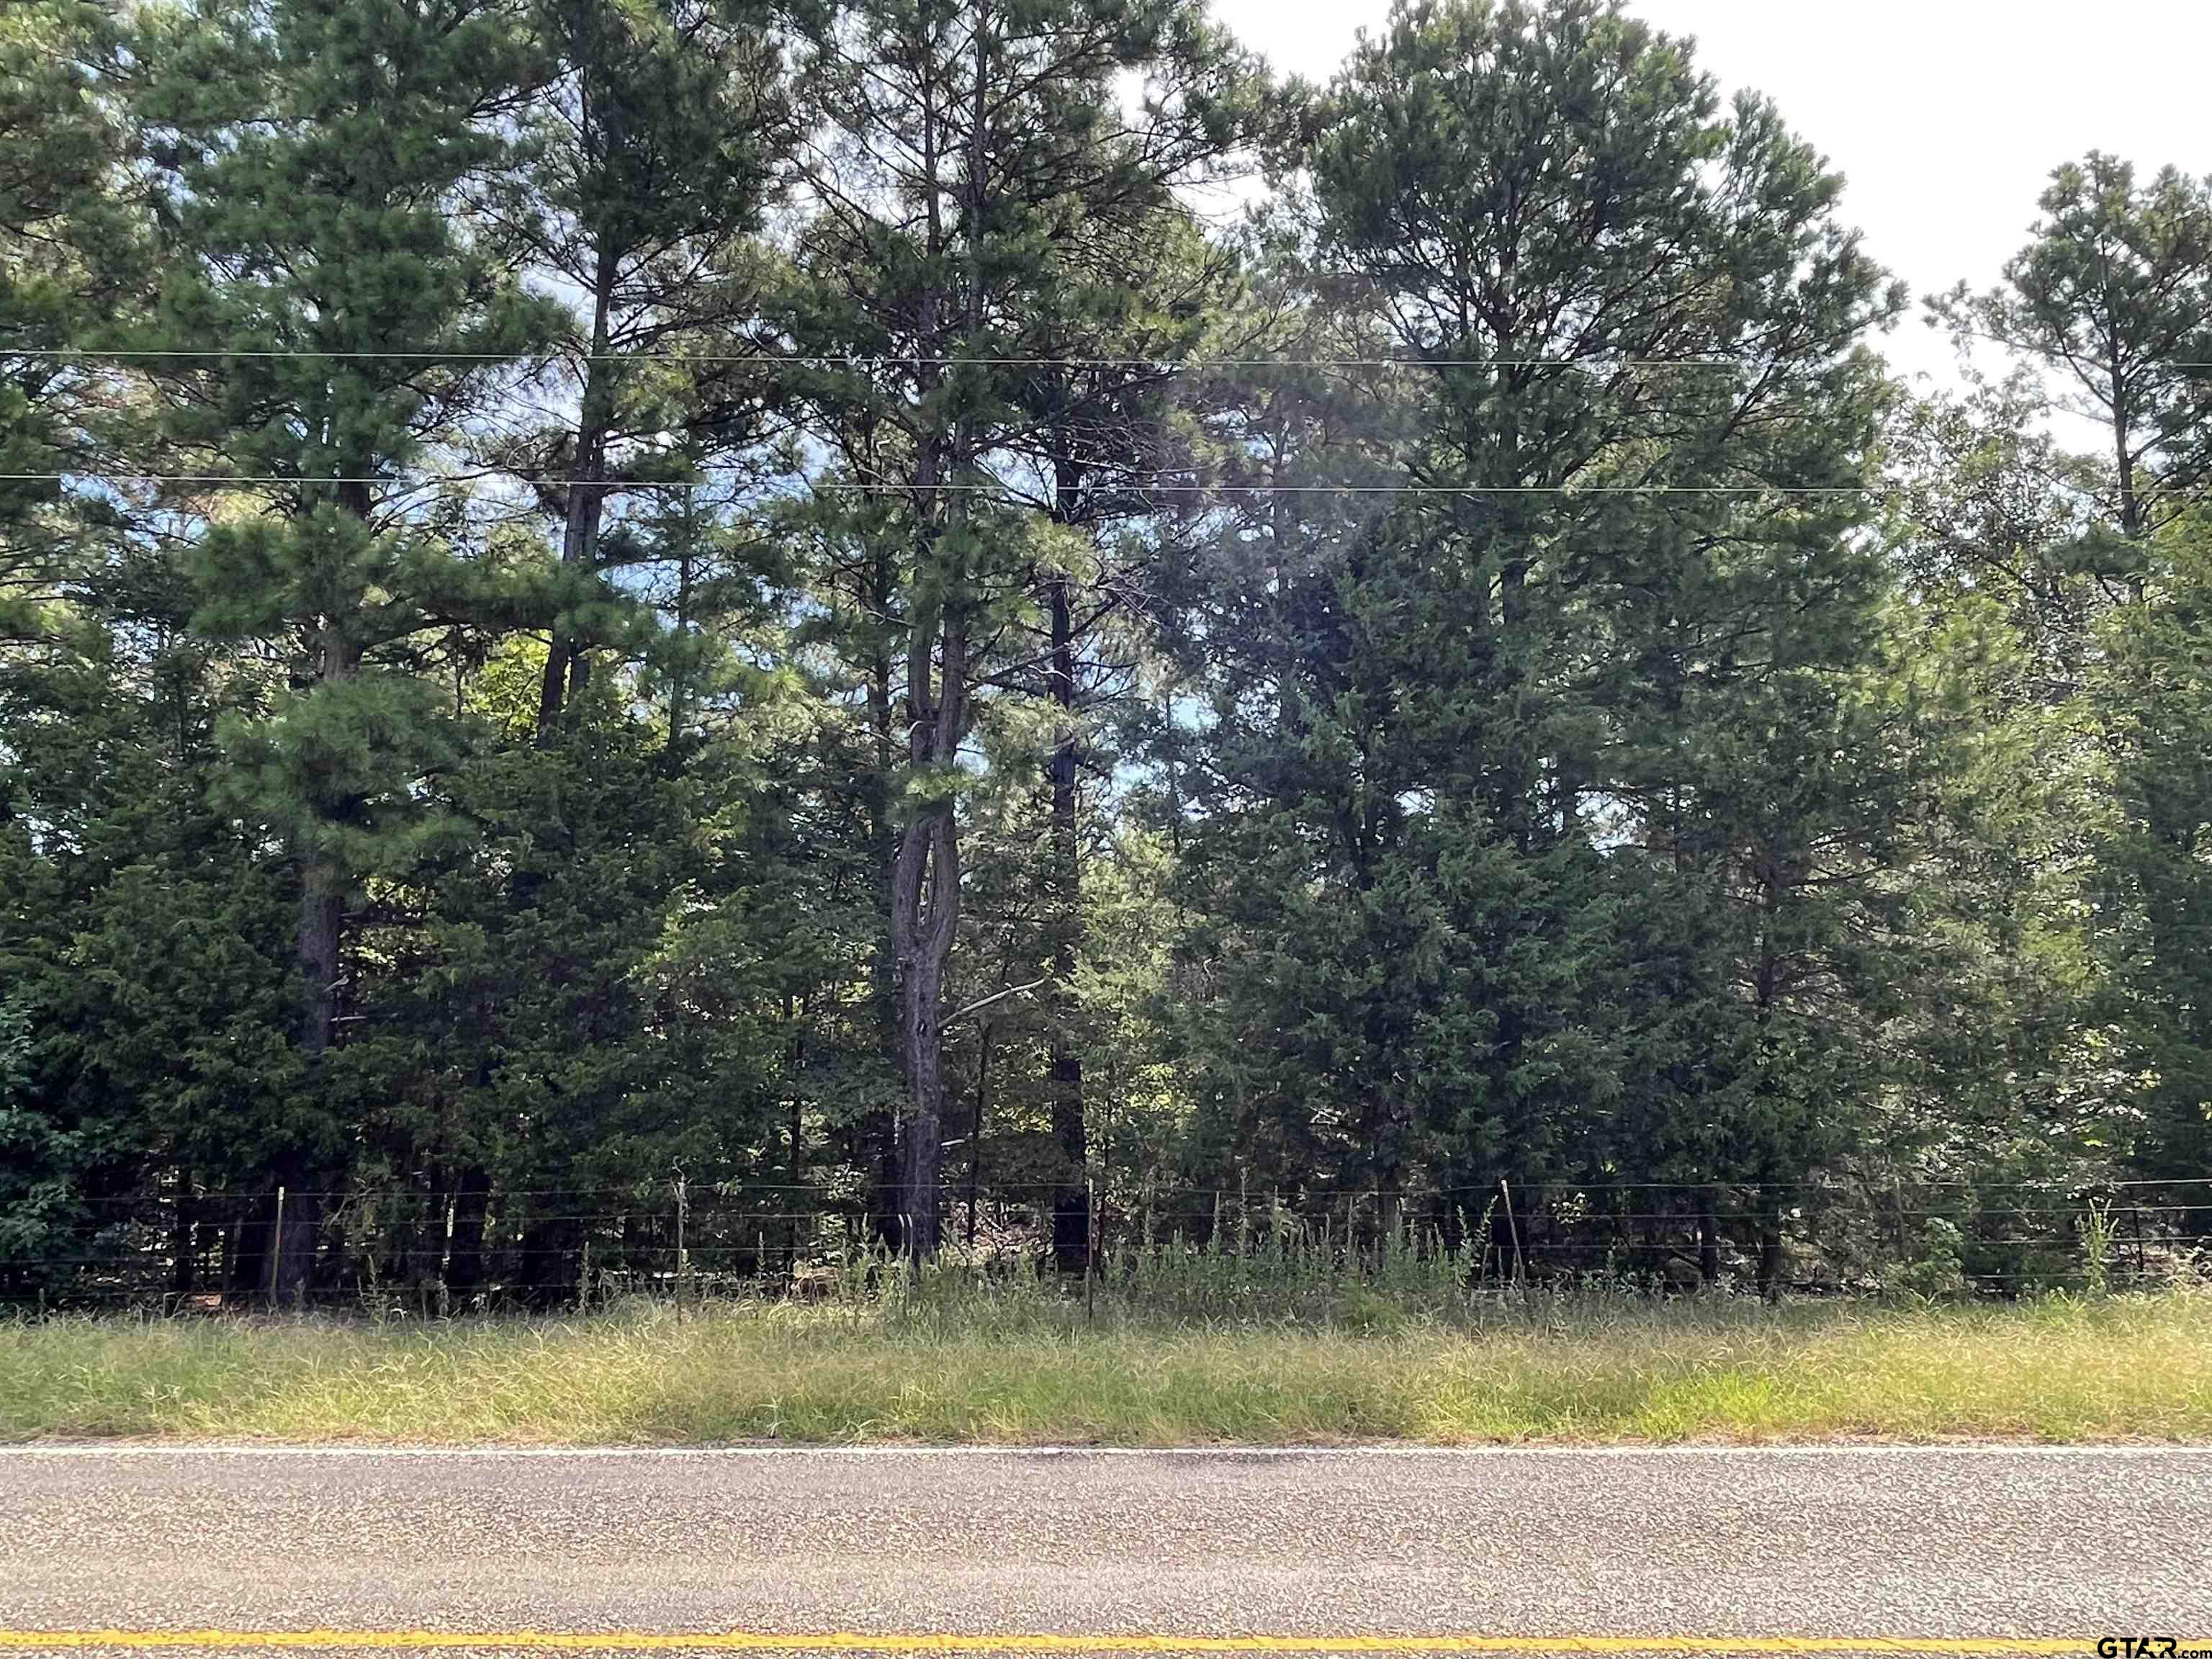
[[1619, 594], [70, 265], [1103, 395], [2156, 696], [2106, 309], [1991, 661], [2110, 299], [145, 938], [653, 151], [342, 327], [962, 145]]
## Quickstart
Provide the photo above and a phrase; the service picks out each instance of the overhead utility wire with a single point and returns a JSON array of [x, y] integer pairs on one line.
[[850, 360], [856, 487]]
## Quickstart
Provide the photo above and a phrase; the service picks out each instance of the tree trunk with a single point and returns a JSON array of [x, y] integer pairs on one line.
[[926, 878], [245, 1255], [183, 1264], [925, 889], [926, 881], [794, 1016], [464, 1259], [567, 668], [672, 759], [2131, 510], [877, 1133], [1709, 1239], [547, 1273], [926, 913], [403, 1247], [290, 1260], [1769, 1254], [1506, 1241], [293, 1227], [322, 920], [975, 1126], [1071, 1200]]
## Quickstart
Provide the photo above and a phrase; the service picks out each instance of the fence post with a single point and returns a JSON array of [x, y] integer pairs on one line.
[[683, 1255], [276, 1248], [1512, 1229], [445, 1264], [1091, 1253]]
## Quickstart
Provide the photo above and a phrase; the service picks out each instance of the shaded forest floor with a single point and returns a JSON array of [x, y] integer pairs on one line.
[[1021, 1370]]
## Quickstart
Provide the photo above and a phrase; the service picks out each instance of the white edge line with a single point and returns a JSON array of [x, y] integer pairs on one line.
[[1217, 1454]]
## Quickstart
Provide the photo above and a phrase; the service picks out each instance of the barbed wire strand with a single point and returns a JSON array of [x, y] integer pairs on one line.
[[1257, 1188]]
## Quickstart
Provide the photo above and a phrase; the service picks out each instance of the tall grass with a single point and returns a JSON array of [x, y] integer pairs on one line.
[[1178, 1349]]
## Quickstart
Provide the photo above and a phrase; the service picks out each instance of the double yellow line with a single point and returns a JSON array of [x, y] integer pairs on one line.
[[745, 1641]]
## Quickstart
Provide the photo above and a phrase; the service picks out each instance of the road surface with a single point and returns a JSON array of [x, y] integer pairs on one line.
[[1745, 1551]]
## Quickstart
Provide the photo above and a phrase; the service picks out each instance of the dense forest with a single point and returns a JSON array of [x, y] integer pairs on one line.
[[843, 623]]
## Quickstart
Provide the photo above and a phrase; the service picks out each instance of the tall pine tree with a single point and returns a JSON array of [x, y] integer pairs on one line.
[[964, 145], [337, 326]]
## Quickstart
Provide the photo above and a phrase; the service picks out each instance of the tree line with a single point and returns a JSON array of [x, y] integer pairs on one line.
[[903, 605]]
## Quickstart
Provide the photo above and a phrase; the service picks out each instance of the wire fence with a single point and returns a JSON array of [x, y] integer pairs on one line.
[[480, 1248]]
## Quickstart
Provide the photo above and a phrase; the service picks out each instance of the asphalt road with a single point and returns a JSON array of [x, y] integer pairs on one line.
[[1734, 1549]]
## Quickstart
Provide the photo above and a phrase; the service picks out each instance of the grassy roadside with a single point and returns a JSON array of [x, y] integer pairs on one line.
[[2060, 1369]]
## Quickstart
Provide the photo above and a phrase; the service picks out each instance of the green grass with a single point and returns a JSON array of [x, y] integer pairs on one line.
[[1026, 1369]]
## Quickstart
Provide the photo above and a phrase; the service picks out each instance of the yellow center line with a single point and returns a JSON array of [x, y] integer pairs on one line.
[[744, 1641]]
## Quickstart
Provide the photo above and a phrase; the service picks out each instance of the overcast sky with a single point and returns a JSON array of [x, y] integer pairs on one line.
[[1944, 116]]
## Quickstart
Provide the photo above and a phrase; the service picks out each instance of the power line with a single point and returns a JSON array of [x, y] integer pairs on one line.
[[914, 360], [857, 487], [857, 359]]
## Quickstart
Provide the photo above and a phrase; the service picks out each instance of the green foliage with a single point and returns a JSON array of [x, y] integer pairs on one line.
[[615, 592], [1550, 812], [333, 320], [2157, 706], [143, 943], [2112, 294], [72, 261], [1937, 1270]]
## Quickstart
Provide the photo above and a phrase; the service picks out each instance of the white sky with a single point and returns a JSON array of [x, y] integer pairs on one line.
[[1944, 116]]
